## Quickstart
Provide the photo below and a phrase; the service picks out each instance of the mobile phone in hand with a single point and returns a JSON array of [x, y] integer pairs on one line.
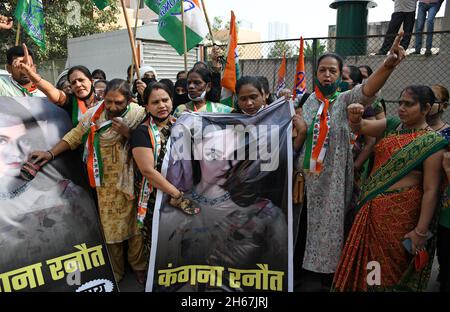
[[408, 244]]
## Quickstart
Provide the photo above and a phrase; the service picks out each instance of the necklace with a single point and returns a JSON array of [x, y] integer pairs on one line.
[[15, 193], [208, 201]]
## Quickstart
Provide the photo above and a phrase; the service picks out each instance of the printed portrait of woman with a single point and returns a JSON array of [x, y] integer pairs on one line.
[[239, 225], [44, 216]]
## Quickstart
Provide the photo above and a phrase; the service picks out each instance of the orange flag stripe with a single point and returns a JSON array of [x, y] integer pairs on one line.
[[229, 74]]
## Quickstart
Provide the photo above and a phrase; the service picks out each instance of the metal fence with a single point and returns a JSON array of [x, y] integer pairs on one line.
[[264, 59]]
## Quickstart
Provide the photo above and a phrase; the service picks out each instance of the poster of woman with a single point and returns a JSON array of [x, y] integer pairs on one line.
[[48, 221], [240, 239]]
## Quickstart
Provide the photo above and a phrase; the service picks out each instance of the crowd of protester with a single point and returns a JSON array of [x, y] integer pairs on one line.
[[378, 191]]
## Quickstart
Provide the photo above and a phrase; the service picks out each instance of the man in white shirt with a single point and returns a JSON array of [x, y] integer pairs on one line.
[[404, 13], [18, 78]]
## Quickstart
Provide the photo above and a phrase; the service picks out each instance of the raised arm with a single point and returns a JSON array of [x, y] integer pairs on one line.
[[377, 80], [55, 95], [6, 22], [373, 128]]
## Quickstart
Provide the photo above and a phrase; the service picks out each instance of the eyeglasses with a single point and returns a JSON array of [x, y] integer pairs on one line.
[[406, 103]]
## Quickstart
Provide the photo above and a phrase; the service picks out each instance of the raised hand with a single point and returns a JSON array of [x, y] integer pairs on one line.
[[120, 127], [6, 22], [25, 63], [355, 112], [140, 86], [396, 53]]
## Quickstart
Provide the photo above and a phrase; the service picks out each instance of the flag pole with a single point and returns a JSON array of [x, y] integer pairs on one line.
[[184, 36], [18, 33], [134, 36], [130, 35], [207, 22]]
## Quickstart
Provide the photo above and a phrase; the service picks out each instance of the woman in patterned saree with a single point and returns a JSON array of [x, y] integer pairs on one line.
[[397, 201]]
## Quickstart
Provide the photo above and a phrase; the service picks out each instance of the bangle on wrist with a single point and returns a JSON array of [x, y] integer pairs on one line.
[[51, 154], [420, 233]]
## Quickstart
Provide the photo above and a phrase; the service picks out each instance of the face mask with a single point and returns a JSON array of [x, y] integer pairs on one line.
[[159, 120], [344, 86], [329, 89], [199, 98], [435, 115], [179, 99]]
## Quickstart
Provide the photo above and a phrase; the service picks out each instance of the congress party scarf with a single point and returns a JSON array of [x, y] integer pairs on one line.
[[317, 139], [78, 110], [146, 187], [92, 149]]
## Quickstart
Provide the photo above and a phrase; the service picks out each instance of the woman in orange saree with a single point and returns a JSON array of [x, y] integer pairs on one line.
[[397, 201]]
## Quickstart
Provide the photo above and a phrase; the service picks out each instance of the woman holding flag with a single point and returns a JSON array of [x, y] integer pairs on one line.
[[106, 128], [326, 158], [81, 83]]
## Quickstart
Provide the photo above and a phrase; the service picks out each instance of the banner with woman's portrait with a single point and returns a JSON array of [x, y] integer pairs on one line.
[[50, 235], [234, 170]]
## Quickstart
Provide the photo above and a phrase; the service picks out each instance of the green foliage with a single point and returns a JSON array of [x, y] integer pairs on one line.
[[279, 48], [57, 29], [321, 48]]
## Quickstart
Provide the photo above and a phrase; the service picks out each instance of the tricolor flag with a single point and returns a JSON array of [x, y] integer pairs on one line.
[[101, 4], [30, 13], [170, 26], [231, 72], [300, 78], [282, 75]]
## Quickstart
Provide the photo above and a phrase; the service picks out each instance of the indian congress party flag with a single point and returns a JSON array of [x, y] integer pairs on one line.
[[231, 72], [30, 13], [101, 4], [170, 26]]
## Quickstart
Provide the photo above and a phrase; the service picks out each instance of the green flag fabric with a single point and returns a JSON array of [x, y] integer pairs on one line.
[[101, 4], [30, 13], [170, 25]]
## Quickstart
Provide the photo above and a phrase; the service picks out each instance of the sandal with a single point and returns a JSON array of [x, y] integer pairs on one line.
[[141, 276]]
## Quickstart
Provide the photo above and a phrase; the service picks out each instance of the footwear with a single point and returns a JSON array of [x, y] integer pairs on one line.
[[415, 52], [428, 53], [141, 276], [380, 53]]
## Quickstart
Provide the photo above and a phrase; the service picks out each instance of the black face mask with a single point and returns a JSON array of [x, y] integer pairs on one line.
[[89, 95], [157, 119], [179, 99]]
